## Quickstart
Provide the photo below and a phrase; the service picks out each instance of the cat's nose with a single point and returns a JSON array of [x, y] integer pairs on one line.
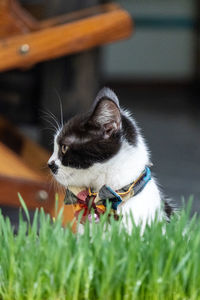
[[53, 166]]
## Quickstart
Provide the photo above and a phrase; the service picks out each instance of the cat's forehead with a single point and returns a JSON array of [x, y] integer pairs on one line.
[[66, 137], [72, 132]]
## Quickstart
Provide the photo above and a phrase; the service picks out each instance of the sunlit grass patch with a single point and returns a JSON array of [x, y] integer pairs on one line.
[[52, 262]]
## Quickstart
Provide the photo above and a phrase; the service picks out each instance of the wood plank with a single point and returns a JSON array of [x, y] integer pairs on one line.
[[23, 15], [66, 39], [78, 15], [11, 165], [32, 154], [14, 19]]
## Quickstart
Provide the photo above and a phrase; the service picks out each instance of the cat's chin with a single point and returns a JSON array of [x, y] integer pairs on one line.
[[63, 179]]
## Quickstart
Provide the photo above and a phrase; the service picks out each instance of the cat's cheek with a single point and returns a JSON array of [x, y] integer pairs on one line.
[[64, 176], [61, 179]]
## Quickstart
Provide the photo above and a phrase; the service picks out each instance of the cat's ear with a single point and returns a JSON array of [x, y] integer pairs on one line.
[[106, 112]]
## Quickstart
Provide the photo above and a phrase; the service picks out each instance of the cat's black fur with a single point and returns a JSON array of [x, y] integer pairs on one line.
[[97, 148]]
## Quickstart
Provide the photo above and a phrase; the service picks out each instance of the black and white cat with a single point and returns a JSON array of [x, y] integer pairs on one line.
[[105, 147]]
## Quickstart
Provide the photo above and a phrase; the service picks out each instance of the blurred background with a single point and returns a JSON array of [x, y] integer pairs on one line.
[[155, 73]]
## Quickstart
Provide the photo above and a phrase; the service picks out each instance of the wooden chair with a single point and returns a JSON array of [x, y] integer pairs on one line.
[[24, 41]]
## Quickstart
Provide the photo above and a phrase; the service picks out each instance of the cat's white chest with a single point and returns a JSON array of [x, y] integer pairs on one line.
[[144, 207]]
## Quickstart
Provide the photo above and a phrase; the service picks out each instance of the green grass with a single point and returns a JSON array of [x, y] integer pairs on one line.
[[100, 264]]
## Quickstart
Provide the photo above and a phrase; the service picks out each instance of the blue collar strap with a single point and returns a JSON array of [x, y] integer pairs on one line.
[[128, 191]]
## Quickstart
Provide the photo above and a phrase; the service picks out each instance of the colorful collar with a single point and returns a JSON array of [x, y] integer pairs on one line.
[[85, 199]]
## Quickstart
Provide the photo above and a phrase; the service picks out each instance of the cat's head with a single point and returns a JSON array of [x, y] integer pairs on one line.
[[89, 140]]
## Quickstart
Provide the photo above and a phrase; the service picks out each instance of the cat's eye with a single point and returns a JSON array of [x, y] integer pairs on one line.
[[64, 149]]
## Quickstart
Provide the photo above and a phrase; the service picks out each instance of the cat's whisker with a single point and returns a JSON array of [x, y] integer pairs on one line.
[[55, 185], [45, 167], [53, 126], [49, 129], [49, 120], [47, 116], [54, 118], [61, 108], [59, 125]]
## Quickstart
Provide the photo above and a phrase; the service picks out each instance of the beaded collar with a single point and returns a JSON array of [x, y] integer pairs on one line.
[[86, 199]]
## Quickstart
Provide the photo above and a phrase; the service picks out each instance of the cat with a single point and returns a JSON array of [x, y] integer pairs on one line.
[[105, 148]]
